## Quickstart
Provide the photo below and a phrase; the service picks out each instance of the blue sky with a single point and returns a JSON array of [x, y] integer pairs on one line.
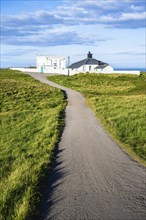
[[113, 30]]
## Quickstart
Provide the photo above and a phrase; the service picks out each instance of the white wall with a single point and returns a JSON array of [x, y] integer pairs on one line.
[[55, 71], [107, 69], [86, 68], [61, 71], [127, 72], [72, 72], [33, 70], [90, 68], [47, 71]]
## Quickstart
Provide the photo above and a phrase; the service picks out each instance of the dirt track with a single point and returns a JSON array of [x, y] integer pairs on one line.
[[92, 178]]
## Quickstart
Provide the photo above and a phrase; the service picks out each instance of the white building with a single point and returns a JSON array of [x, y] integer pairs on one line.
[[91, 65], [57, 65], [50, 64]]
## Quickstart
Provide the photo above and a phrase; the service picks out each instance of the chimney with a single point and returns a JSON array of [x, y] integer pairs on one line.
[[89, 55]]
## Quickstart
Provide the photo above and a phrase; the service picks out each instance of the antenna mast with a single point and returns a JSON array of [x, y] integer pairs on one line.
[[68, 64]]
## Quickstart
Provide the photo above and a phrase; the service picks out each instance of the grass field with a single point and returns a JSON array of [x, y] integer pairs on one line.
[[119, 102], [31, 118]]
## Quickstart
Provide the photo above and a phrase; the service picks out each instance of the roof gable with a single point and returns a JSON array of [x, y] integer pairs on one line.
[[78, 64], [101, 66]]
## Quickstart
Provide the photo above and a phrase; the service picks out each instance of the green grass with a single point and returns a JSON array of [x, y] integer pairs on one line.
[[119, 102], [31, 118]]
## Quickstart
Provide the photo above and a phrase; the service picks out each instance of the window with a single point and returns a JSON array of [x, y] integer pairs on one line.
[[89, 68]]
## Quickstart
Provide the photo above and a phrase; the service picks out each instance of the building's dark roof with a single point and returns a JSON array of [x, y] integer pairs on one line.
[[101, 66], [88, 61]]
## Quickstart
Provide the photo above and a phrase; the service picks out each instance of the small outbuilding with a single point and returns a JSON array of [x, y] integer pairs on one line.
[[91, 65], [50, 64]]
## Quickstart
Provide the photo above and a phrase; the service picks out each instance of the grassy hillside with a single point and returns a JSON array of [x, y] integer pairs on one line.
[[31, 117], [119, 102]]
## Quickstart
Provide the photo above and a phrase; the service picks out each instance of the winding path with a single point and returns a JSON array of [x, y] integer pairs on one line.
[[92, 178]]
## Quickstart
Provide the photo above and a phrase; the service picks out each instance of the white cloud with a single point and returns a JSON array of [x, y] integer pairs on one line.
[[133, 16], [104, 4], [123, 17], [136, 8]]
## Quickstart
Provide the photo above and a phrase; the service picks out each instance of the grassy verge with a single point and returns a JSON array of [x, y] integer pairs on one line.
[[31, 118], [119, 102]]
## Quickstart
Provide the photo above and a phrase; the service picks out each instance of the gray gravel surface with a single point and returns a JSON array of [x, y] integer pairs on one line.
[[92, 177]]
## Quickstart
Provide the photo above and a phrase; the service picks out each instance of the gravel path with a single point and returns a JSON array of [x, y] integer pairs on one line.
[[92, 178]]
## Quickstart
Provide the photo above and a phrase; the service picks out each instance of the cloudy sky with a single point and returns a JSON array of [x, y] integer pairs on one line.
[[113, 30]]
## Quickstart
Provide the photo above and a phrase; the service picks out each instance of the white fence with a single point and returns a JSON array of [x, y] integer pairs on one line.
[[127, 71], [48, 71], [70, 71], [33, 70]]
